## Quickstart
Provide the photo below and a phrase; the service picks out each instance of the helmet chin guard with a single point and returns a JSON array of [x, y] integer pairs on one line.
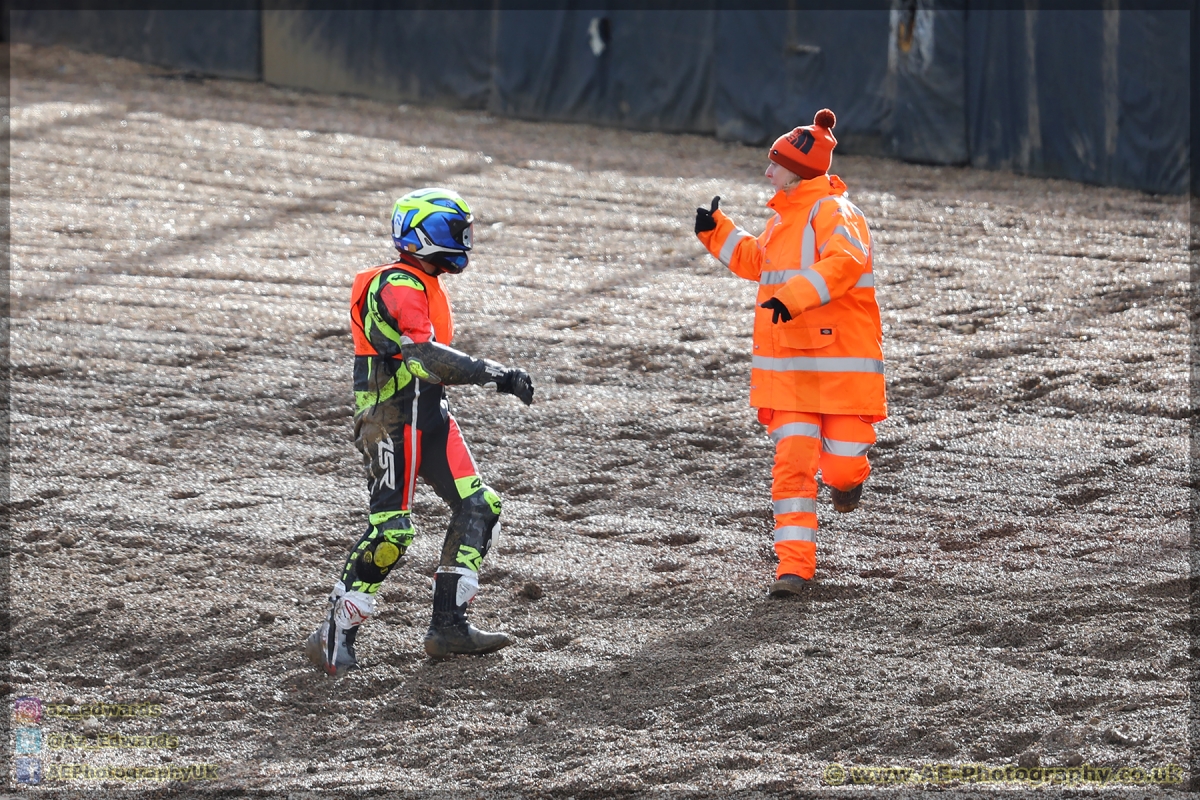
[[447, 263]]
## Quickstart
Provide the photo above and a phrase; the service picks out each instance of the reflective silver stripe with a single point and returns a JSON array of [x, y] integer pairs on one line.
[[795, 429], [778, 276], [811, 364], [731, 242], [795, 533], [837, 447], [808, 246], [808, 243], [808, 256], [868, 279], [818, 283], [795, 504], [844, 231]]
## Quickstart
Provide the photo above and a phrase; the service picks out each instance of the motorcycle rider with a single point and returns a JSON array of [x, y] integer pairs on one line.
[[403, 327]]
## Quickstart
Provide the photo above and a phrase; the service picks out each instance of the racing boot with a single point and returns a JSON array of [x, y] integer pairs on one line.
[[332, 650], [449, 631], [847, 501], [788, 585], [331, 646]]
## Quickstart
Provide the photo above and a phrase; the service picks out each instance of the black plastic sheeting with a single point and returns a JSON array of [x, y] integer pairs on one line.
[[221, 42], [775, 69], [413, 56], [1195, 98], [747, 76], [1155, 53], [927, 115], [642, 69], [1099, 96]]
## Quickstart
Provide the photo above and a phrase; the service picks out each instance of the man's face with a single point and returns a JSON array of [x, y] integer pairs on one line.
[[779, 176]]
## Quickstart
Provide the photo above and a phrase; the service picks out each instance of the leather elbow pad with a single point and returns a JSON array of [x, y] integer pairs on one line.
[[437, 363]]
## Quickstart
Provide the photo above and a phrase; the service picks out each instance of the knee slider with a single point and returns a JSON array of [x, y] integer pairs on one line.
[[390, 536], [478, 512], [476, 522], [475, 493], [493, 499], [393, 534]]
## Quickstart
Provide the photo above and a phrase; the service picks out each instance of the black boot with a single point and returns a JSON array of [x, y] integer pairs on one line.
[[847, 501], [449, 632], [787, 585]]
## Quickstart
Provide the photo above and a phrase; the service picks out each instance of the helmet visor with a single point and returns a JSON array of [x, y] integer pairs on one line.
[[462, 231]]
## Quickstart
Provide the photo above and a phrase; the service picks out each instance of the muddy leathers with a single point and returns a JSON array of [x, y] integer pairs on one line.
[[402, 327]]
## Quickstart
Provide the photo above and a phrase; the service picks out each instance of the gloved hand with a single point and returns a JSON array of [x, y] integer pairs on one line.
[[704, 216], [778, 310], [516, 381]]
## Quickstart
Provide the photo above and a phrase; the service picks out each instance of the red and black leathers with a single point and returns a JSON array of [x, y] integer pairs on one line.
[[402, 327]]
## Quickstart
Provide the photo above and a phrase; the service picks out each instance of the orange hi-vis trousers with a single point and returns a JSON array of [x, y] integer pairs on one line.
[[837, 445]]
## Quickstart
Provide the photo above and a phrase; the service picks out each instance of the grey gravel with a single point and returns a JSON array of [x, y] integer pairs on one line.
[[1014, 581]]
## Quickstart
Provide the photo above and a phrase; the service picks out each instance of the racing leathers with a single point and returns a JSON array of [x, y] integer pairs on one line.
[[402, 327]]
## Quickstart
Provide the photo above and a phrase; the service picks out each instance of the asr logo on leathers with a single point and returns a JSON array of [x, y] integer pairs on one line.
[[387, 463]]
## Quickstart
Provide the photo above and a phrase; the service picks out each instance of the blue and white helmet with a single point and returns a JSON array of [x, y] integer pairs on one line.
[[435, 225]]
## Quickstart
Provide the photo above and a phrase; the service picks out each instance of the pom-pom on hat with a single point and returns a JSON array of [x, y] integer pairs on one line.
[[807, 151]]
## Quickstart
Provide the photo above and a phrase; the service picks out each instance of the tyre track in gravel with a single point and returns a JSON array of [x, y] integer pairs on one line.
[[190, 244]]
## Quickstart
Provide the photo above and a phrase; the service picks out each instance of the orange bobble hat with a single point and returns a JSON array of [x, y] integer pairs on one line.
[[807, 151]]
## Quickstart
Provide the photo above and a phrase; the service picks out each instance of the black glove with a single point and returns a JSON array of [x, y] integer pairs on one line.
[[704, 217], [778, 310], [516, 381]]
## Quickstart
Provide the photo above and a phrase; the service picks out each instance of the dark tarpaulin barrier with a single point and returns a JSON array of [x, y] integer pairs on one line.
[[640, 69], [1195, 104], [400, 55], [775, 69], [998, 127], [546, 67], [927, 117], [222, 42], [1078, 128], [1099, 96], [1152, 134]]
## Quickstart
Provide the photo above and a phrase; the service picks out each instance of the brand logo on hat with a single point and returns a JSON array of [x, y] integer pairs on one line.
[[802, 140]]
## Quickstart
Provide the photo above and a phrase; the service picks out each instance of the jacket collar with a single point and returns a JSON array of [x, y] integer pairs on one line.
[[412, 263], [806, 193]]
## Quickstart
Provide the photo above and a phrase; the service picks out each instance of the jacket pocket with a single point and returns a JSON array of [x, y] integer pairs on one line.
[[804, 337]]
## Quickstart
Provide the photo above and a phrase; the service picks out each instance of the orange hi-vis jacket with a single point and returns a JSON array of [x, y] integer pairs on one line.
[[390, 305], [815, 256], [376, 319]]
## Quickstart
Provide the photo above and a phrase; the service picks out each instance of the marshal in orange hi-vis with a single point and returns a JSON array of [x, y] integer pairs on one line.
[[817, 372]]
